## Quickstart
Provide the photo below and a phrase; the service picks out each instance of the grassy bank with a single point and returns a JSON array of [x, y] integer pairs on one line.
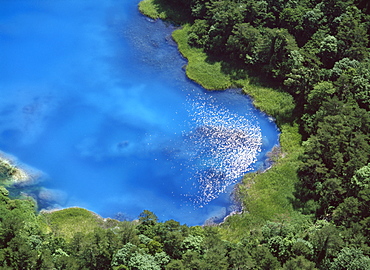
[[267, 195], [68, 222], [200, 69]]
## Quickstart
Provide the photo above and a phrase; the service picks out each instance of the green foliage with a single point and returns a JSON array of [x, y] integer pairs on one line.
[[321, 92], [175, 265], [250, 44], [361, 179], [122, 256], [302, 248], [328, 50], [6, 170], [264, 258], [350, 259], [192, 243], [339, 146], [352, 35], [299, 263]]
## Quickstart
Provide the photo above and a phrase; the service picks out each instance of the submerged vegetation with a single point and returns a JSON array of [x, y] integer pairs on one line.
[[306, 63]]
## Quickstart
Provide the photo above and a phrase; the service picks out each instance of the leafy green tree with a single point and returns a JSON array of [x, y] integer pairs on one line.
[[19, 255], [342, 66], [350, 259], [223, 15], [148, 218], [292, 19], [63, 260], [250, 44], [154, 247], [126, 232], [333, 9], [312, 20], [361, 179], [192, 260], [347, 212], [321, 92], [352, 35], [240, 257], [173, 244], [264, 259], [143, 261], [258, 13], [282, 61], [193, 243], [162, 258], [299, 263], [333, 154], [328, 51], [215, 257], [326, 243], [175, 265], [303, 248], [123, 255], [147, 221], [198, 36], [281, 247]]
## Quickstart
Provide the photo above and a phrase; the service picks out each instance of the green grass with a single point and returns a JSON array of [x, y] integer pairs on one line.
[[165, 10], [276, 103], [150, 9], [69, 221], [268, 195], [207, 73]]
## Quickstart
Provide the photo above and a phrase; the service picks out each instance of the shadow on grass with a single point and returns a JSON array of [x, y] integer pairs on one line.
[[175, 12], [238, 70]]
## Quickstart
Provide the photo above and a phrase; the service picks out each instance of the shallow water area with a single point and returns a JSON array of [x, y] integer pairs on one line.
[[93, 94]]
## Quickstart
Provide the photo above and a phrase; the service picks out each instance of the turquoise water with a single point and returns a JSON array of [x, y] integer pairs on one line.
[[94, 96]]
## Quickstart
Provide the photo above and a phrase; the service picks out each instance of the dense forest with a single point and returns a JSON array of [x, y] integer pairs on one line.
[[314, 51]]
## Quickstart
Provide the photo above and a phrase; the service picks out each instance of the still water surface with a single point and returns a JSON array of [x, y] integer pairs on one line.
[[94, 95]]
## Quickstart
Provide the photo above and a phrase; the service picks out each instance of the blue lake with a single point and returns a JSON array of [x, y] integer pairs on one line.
[[94, 95]]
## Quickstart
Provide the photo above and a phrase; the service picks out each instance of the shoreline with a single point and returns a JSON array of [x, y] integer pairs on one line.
[[16, 173], [278, 105], [23, 177]]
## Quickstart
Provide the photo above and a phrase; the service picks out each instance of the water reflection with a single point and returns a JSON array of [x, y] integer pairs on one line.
[[222, 144]]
